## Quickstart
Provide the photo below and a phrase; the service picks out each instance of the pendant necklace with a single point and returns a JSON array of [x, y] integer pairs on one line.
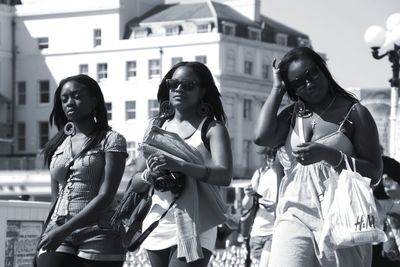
[[314, 121]]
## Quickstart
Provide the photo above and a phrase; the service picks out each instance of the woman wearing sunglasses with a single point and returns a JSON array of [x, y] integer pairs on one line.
[[324, 125], [190, 106]]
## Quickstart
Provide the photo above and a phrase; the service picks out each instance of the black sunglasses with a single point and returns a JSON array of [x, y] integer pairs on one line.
[[173, 84], [309, 75]]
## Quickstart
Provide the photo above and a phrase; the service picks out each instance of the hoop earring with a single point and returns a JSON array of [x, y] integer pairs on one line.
[[205, 109], [166, 109], [69, 128]]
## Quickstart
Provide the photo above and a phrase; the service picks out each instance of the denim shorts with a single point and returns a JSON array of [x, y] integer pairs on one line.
[[258, 244], [93, 243]]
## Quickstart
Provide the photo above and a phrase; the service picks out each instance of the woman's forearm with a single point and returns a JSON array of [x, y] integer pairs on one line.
[[267, 123], [89, 214], [216, 175]]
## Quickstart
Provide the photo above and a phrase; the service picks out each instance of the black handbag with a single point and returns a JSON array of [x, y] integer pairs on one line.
[[130, 214]]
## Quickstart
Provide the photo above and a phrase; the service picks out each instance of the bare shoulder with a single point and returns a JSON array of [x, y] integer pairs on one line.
[[361, 115], [216, 128]]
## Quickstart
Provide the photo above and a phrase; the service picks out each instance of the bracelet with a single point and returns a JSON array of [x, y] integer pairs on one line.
[[145, 176], [340, 161], [206, 175]]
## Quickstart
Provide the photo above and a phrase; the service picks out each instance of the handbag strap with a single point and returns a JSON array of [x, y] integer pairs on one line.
[[152, 226]]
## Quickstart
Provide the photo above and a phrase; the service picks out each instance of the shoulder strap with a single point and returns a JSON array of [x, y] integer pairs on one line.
[[346, 118], [204, 129]]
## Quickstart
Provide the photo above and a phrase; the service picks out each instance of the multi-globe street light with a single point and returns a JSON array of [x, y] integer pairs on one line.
[[386, 42]]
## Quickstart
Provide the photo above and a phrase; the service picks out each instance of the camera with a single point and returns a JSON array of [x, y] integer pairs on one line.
[[170, 181]]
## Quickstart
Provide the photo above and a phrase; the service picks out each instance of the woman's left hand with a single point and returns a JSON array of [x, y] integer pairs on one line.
[[158, 162], [53, 239], [309, 153]]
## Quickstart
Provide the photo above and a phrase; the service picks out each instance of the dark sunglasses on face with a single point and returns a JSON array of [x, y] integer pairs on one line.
[[309, 75], [173, 84]]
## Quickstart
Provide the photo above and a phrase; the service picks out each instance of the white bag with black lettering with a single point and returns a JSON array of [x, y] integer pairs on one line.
[[350, 214]]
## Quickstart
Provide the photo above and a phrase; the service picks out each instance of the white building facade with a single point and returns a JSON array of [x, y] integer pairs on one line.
[[127, 46]]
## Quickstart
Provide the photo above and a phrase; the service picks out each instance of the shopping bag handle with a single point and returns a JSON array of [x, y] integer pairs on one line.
[[353, 160]]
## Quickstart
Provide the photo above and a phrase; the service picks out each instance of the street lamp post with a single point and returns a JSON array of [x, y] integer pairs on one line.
[[388, 42]]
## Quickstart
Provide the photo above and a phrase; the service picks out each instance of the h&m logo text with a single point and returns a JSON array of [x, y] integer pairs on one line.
[[365, 222]]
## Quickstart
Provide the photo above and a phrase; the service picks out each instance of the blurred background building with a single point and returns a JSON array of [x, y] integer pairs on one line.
[[128, 45]]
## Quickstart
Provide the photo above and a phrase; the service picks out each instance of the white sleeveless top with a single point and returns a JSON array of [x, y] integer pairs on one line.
[[165, 234]]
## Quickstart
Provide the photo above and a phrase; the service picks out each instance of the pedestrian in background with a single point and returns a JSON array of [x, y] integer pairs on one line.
[[86, 160], [191, 107], [387, 194], [264, 183], [324, 125]]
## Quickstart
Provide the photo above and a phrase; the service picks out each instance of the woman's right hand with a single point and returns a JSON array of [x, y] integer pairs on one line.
[[249, 191], [277, 80]]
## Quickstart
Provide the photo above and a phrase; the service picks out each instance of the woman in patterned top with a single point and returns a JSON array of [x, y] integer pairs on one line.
[[86, 160]]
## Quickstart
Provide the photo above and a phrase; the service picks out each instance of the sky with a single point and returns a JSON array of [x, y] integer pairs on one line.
[[336, 28]]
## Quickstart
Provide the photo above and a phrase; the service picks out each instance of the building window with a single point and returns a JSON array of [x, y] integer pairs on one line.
[[109, 110], [205, 27], [102, 72], [130, 110], [43, 133], [301, 41], [201, 59], [130, 70], [231, 61], [173, 30], [248, 67], [255, 34], [131, 150], [21, 136], [84, 69], [141, 32], [96, 37], [44, 92], [246, 153], [43, 42], [228, 28], [247, 103], [21, 93], [175, 60], [281, 39], [153, 108], [229, 107], [265, 71], [154, 68]]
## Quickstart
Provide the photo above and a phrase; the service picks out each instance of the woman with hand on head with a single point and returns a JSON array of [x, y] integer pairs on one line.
[[190, 107], [86, 161], [324, 125]]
